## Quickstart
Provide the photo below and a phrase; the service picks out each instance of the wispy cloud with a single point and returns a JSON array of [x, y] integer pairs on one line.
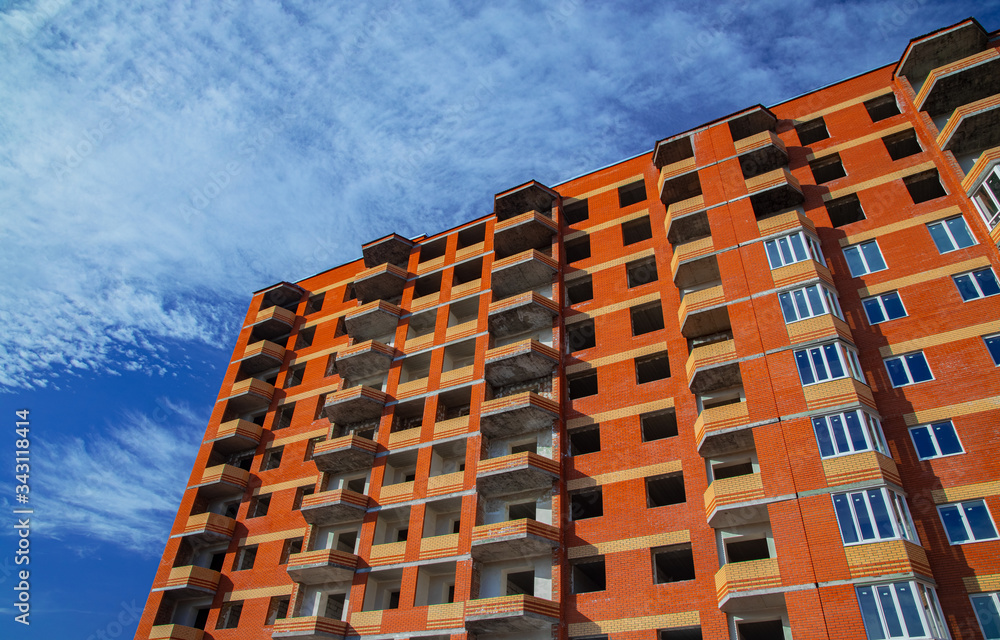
[[159, 160], [120, 486]]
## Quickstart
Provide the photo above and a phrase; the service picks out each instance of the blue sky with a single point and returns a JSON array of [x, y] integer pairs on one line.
[[159, 161]]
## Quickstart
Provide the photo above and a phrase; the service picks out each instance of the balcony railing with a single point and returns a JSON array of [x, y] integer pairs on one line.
[[364, 359], [191, 582], [515, 473], [738, 580], [372, 320], [273, 322], [380, 283], [531, 230], [310, 628], [260, 356], [860, 467], [510, 614], [522, 272], [887, 558], [323, 565], [237, 435], [516, 414], [175, 632], [223, 480], [348, 453], [250, 395], [513, 539], [728, 494], [334, 507], [355, 404], [205, 528], [518, 362], [521, 313]]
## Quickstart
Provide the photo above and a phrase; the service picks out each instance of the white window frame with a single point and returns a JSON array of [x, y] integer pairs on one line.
[[993, 598], [988, 193], [971, 275], [859, 505], [960, 508], [947, 227], [836, 424], [847, 357], [993, 356], [810, 247], [929, 427], [881, 305], [859, 249], [824, 297], [903, 360], [924, 599]]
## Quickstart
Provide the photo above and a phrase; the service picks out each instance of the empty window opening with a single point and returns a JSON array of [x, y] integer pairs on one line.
[[647, 318], [427, 285], [290, 547], [433, 250], [530, 446], [272, 459], [586, 504], [827, 168], [924, 186], [580, 335], [845, 210], [725, 470], [575, 212], [578, 249], [812, 131], [458, 356], [347, 541], [315, 303], [687, 633], [652, 367], [415, 368], [283, 417], [471, 236], [582, 385], [454, 404], [584, 441], [357, 485], [242, 459], [301, 493], [217, 561], [658, 425], [421, 324], [277, 609], [630, 194], [522, 510], [673, 564], [304, 339], [259, 506], [744, 550], [589, 575], [408, 415], [521, 583], [902, 145], [245, 558], [636, 231], [665, 490], [639, 272], [229, 615], [468, 271], [334, 609], [764, 630], [349, 293], [882, 107], [580, 290]]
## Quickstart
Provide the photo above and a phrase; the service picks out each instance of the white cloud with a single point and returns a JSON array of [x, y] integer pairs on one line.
[[161, 160], [121, 486]]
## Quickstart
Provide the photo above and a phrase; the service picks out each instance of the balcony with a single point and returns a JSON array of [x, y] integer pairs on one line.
[[742, 585], [680, 189], [510, 614], [521, 313], [716, 425], [532, 230], [961, 82], [273, 322], [392, 249], [730, 501], [703, 312], [525, 360], [797, 272], [190, 582], [445, 483], [310, 628], [687, 228], [223, 480], [445, 546], [522, 272], [711, 367], [520, 413], [250, 395], [860, 467], [673, 170], [364, 360], [837, 393], [531, 196], [356, 404], [515, 473], [207, 528], [349, 453], [817, 328], [688, 252], [783, 222], [323, 565], [878, 559], [334, 507], [773, 191], [940, 48], [372, 320], [175, 632], [384, 282], [388, 553], [761, 153], [972, 127], [236, 435], [261, 356], [513, 540]]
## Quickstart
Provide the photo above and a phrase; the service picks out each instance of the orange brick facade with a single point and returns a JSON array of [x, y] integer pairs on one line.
[[413, 445]]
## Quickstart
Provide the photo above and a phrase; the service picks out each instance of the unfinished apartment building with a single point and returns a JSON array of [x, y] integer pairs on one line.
[[742, 386]]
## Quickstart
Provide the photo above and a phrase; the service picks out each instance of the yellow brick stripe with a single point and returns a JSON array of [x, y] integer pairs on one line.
[[924, 276], [605, 225], [981, 584], [605, 188], [272, 535], [967, 492], [878, 135], [290, 484], [640, 623], [263, 592], [623, 412], [616, 357], [630, 544], [953, 410], [899, 226], [842, 105], [298, 437], [618, 306], [940, 338], [579, 273], [620, 476], [874, 182]]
